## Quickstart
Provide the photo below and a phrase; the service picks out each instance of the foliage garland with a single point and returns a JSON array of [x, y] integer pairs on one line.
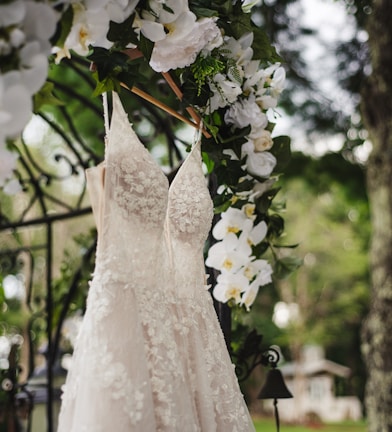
[[227, 72]]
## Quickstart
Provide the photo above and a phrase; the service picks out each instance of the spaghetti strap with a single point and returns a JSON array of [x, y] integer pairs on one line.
[[105, 116]]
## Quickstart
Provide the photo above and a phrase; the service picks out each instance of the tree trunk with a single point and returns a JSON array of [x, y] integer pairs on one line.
[[377, 115]]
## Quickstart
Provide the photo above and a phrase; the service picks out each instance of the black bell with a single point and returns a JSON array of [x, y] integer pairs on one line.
[[274, 387]]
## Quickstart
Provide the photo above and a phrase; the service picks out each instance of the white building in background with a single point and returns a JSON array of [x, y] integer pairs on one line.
[[312, 383]]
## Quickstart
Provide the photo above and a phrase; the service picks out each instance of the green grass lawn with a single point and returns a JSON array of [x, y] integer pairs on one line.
[[268, 425]]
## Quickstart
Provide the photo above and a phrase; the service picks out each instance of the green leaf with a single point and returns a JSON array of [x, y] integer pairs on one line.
[[286, 246], [245, 185], [146, 46], [108, 84], [221, 208], [45, 96], [259, 249], [262, 48], [201, 12], [240, 25], [230, 173], [112, 68], [193, 93], [282, 151], [284, 267], [2, 293], [209, 163], [105, 62], [263, 203], [122, 33], [275, 225], [203, 8], [63, 28]]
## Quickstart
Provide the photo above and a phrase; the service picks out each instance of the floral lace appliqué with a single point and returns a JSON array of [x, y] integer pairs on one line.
[[190, 205], [139, 188]]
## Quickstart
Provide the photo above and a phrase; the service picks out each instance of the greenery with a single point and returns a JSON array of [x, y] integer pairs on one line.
[[328, 210], [70, 94], [268, 425]]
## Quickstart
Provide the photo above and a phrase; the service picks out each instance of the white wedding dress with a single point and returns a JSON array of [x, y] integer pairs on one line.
[[150, 355]]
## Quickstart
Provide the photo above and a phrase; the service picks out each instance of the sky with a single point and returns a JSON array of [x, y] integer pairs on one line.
[[330, 21]]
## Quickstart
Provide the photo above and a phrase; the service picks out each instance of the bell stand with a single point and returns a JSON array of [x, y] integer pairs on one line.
[[274, 386]]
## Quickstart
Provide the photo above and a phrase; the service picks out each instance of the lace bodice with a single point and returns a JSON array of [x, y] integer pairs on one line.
[[137, 187], [150, 355], [139, 194], [190, 205]]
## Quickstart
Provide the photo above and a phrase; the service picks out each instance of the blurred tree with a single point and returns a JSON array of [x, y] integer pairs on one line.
[[377, 116], [331, 288], [330, 291], [317, 113], [363, 75]]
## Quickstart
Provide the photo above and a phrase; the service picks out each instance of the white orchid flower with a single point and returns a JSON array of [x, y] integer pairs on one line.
[[246, 112], [254, 77], [266, 101], [278, 81], [260, 272], [225, 92], [39, 24], [95, 5], [34, 66], [264, 275], [16, 37], [230, 286], [12, 13], [271, 82], [167, 11], [15, 104], [240, 50], [249, 210], [228, 255], [248, 297], [275, 77], [88, 27], [247, 5], [255, 234], [260, 188], [120, 9], [233, 220], [152, 30]]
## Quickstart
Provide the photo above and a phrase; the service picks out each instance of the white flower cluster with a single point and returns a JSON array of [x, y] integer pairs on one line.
[[27, 26], [177, 34], [25, 29], [250, 92], [243, 90], [90, 24], [241, 274]]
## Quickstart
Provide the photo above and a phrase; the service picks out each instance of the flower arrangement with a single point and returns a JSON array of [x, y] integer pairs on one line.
[[227, 73]]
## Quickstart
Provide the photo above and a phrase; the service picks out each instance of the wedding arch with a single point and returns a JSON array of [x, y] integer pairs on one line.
[[202, 64]]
